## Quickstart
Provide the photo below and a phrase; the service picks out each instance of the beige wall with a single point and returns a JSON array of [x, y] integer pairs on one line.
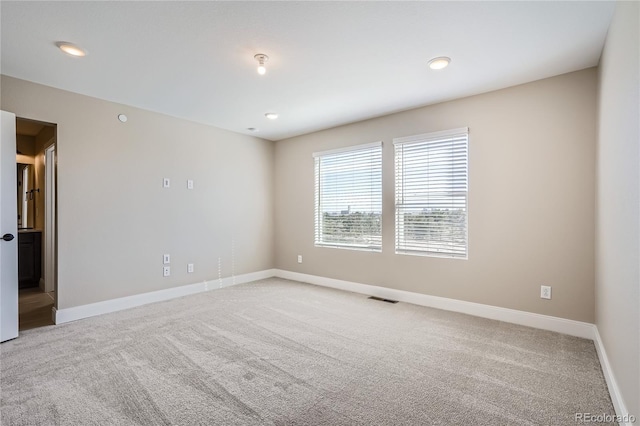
[[618, 199], [531, 200], [115, 220], [26, 145]]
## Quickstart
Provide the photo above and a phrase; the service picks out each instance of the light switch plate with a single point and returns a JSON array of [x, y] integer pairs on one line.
[[166, 259], [190, 184], [190, 268], [166, 183]]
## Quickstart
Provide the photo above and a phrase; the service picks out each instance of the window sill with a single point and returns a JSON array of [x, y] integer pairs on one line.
[[345, 247]]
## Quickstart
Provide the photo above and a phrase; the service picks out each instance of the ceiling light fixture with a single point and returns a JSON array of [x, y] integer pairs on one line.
[[439, 63], [262, 59], [71, 49], [271, 115]]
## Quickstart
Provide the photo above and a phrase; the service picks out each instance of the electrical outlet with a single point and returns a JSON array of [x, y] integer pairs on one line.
[[166, 259], [545, 292], [166, 271], [299, 258], [189, 268], [189, 184], [166, 183]]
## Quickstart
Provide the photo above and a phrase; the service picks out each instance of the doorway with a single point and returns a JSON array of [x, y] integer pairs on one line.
[[36, 190]]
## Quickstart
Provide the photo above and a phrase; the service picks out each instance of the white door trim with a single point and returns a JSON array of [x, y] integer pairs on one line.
[[50, 218]]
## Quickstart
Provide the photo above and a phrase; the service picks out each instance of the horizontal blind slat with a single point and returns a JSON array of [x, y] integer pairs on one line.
[[349, 199], [431, 195]]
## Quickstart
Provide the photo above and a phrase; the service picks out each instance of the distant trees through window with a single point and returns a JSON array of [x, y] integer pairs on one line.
[[352, 228], [348, 197]]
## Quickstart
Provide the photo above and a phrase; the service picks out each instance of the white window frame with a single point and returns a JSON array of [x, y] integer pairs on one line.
[[419, 143], [320, 239]]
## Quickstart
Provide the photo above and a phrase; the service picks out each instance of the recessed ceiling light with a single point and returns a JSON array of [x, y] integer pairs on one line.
[[271, 115], [71, 49], [439, 63]]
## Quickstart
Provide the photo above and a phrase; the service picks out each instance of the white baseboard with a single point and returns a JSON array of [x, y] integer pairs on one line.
[[614, 390], [85, 311], [545, 322]]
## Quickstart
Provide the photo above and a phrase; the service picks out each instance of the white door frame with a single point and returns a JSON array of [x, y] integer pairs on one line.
[[50, 276], [25, 196], [8, 225]]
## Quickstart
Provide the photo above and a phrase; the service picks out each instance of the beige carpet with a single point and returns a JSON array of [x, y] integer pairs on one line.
[[286, 353]]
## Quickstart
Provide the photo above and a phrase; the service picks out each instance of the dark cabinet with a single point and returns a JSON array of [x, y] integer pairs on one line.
[[29, 258]]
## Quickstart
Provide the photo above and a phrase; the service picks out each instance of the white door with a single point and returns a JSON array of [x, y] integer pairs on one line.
[[8, 229]]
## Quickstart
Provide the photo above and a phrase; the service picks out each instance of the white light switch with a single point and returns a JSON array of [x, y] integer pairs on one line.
[[166, 259], [190, 184], [166, 183], [299, 258], [190, 268]]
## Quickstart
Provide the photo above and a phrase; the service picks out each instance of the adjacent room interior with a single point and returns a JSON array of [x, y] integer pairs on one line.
[[35, 141], [322, 212]]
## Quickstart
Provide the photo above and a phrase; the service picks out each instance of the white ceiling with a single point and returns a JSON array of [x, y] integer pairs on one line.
[[330, 63]]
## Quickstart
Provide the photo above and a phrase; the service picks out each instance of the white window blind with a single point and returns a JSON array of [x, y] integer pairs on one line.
[[348, 197], [431, 193]]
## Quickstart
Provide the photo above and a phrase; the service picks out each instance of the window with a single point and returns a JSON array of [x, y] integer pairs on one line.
[[431, 193], [348, 198]]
